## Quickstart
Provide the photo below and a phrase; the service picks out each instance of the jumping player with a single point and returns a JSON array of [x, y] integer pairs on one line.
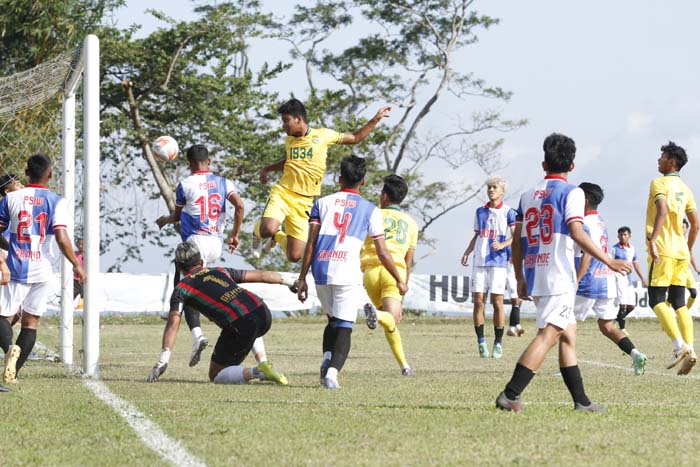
[[35, 216], [626, 297], [338, 226], [303, 167], [550, 220], [242, 316], [596, 282], [493, 233], [401, 237]]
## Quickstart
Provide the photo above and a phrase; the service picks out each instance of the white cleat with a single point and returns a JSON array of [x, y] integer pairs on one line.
[[197, 349]]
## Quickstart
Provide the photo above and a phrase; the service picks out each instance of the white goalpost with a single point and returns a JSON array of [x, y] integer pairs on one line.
[[29, 124], [87, 68]]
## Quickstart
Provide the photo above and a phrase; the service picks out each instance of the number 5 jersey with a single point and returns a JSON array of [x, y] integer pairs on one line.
[[32, 215]]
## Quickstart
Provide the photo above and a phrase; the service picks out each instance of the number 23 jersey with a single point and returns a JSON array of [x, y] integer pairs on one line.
[[545, 211]]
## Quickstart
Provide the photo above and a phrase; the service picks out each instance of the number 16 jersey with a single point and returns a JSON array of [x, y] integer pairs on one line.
[[545, 211], [202, 197]]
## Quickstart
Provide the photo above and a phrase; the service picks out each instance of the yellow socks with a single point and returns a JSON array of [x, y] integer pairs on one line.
[[685, 322], [691, 300], [667, 318], [256, 228], [393, 337], [281, 238]]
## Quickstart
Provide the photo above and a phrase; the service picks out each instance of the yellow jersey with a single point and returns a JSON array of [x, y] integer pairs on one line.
[[671, 242], [400, 235], [305, 165]]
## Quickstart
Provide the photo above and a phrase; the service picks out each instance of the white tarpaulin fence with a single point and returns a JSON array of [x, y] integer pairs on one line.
[[435, 294]]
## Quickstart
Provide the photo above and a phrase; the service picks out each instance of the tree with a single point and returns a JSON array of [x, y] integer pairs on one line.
[[406, 57], [190, 80]]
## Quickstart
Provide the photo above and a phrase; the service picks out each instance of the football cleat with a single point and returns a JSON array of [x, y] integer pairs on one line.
[[294, 288], [256, 247], [371, 314], [11, 363], [156, 371], [515, 331], [688, 363], [497, 351], [325, 364], [509, 405], [406, 371], [679, 355], [592, 407], [639, 362], [197, 348], [271, 375], [329, 383], [483, 350]]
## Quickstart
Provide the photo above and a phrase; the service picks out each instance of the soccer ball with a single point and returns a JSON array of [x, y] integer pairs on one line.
[[165, 148]]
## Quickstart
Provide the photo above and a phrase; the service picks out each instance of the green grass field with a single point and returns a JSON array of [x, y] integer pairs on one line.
[[444, 415]]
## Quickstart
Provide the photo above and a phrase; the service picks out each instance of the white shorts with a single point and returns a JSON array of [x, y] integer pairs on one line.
[[625, 292], [210, 247], [604, 308], [555, 309], [341, 301], [511, 283], [488, 279], [32, 298]]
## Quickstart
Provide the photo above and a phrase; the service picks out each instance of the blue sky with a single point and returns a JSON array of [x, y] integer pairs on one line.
[[619, 77]]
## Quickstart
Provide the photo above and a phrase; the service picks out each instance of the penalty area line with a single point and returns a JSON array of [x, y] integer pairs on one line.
[[628, 368], [150, 434]]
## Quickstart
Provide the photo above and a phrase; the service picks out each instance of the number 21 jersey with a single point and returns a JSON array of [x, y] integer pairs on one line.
[[545, 211]]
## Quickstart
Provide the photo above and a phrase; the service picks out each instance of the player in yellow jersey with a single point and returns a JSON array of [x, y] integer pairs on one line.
[[303, 168], [670, 200], [400, 236]]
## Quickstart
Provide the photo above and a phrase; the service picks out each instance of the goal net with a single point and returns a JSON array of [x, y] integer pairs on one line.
[[53, 109]]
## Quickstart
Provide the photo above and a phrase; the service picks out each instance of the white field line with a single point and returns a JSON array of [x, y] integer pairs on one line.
[[670, 374], [152, 436]]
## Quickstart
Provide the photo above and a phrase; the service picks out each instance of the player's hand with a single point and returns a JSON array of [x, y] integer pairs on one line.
[[653, 252], [403, 288], [162, 221], [465, 259], [620, 265], [383, 112], [80, 272], [522, 290], [644, 283], [398, 318], [497, 246], [157, 370], [263, 175], [233, 243], [302, 290]]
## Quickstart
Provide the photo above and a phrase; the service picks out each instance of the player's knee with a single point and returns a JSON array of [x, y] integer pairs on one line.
[[267, 230], [294, 256], [656, 295], [605, 326]]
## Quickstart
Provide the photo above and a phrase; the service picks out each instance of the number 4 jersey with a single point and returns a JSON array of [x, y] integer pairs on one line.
[[203, 196], [32, 215], [346, 219], [545, 212]]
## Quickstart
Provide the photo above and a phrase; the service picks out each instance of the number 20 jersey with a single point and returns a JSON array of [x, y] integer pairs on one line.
[[32, 214], [346, 219], [203, 196], [545, 212]]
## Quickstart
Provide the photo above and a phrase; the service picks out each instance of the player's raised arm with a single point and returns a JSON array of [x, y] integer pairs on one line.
[[364, 131], [172, 218], [274, 167]]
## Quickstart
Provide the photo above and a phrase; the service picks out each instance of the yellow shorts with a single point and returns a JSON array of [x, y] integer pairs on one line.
[[379, 284], [291, 209], [670, 271]]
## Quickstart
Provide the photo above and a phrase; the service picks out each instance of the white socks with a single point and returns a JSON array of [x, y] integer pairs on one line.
[[332, 374], [259, 350], [196, 333], [231, 375]]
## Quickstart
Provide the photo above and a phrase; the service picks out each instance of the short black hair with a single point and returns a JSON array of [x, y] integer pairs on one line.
[[197, 152], [559, 152], [624, 229], [6, 180], [353, 169], [593, 193], [37, 166], [293, 107], [395, 188], [676, 153]]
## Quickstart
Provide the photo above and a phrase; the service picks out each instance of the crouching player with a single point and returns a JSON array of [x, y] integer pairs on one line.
[[400, 236], [241, 315]]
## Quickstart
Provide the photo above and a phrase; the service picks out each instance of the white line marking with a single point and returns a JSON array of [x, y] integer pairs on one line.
[[152, 436], [646, 372]]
